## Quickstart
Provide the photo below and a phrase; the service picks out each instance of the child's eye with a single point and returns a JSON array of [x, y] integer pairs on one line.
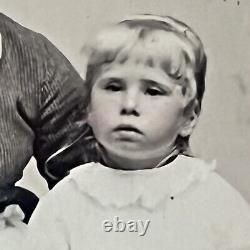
[[155, 92], [113, 86]]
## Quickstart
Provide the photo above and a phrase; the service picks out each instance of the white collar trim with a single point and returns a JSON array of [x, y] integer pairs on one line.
[[119, 188]]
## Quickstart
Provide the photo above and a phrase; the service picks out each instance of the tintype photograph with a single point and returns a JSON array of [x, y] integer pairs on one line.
[[125, 125]]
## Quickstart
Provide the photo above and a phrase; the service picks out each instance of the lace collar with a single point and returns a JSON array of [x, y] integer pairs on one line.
[[145, 188]]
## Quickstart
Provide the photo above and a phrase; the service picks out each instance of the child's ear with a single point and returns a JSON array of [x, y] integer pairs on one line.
[[191, 115]]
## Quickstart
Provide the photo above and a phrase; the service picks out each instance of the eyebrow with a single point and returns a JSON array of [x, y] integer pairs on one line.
[[112, 79]]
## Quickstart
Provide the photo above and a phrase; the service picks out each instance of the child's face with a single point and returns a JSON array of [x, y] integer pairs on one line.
[[136, 113]]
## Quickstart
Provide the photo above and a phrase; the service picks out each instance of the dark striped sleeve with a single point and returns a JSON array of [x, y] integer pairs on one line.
[[62, 107], [41, 100]]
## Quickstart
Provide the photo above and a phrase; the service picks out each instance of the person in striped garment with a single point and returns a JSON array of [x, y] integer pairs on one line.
[[41, 101]]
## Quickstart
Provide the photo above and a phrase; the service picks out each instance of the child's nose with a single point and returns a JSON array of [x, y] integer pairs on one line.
[[130, 103]]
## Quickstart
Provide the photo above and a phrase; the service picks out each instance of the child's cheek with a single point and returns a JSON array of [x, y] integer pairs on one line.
[[181, 96]]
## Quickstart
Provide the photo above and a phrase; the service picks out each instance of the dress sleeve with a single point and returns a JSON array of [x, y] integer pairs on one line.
[[239, 227], [47, 228], [230, 214]]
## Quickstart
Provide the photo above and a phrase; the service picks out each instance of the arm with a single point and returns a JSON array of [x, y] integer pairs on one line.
[[42, 99], [48, 227], [40, 104], [62, 109], [229, 214]]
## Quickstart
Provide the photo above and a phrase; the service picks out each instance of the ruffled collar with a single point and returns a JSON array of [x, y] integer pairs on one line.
[[144, 188]]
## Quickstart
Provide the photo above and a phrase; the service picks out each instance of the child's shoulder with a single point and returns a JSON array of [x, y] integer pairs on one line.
[[210, 182], [216, 189], [224, 210], [212, 193], [213, 189], [76, 178], [220, 206]]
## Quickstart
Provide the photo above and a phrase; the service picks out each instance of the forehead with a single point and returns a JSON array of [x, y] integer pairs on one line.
[[158, 49], [132, 70]]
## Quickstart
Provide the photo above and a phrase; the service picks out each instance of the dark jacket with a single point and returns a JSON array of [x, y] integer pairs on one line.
[[41, 101]]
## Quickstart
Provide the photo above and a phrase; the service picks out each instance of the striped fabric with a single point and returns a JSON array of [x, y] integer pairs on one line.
[[41, 100]]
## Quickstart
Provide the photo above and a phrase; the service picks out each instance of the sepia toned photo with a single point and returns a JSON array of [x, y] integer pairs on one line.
[[125, 125]]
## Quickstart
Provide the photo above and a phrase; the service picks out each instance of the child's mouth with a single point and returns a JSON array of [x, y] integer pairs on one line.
[[128, 128]]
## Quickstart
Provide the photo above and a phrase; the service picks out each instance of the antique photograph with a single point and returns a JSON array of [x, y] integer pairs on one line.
[[125, 125]]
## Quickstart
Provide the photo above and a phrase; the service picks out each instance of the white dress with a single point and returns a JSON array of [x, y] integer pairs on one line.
[[184, 205]]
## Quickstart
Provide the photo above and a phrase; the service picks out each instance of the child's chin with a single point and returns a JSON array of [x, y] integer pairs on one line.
[[130, 159]]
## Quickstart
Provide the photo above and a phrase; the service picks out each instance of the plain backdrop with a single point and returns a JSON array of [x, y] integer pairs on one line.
[[223, 132]]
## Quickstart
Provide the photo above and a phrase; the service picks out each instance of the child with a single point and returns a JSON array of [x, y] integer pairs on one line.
[[146, 79]]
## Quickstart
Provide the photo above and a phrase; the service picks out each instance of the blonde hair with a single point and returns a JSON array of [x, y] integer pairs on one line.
[[148, 36]]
